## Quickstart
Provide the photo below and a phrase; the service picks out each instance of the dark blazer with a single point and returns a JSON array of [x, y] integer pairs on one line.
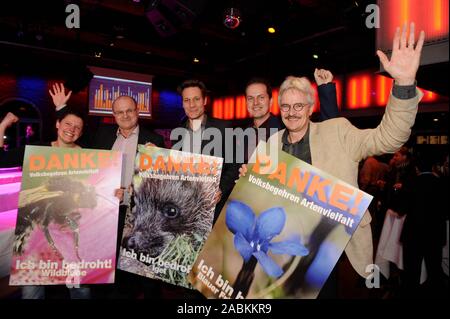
[[328, 101], [229, 170], [229, 174], [106, 135]]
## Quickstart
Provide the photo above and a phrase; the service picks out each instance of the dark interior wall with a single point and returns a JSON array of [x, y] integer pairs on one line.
[[31, 89]]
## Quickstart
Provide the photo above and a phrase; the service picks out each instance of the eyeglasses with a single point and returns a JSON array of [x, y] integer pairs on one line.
[[127, 112], [297, 107]]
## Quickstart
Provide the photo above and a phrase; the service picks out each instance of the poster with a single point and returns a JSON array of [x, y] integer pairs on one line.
[[280, 233], [174, 194], [67, 217]]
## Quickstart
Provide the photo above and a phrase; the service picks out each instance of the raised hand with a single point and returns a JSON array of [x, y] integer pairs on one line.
[[242, 171], [8, 120], [322, 76], [58, 96], [405, 58]]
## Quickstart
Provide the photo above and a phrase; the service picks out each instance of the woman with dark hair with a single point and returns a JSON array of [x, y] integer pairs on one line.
[[69, 127]]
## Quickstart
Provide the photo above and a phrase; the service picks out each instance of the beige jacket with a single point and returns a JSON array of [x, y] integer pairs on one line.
[[337, 147]]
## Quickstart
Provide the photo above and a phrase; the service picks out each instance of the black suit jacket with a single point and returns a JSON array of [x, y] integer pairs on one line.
[[229, 175], [229, 170], [106, 135]]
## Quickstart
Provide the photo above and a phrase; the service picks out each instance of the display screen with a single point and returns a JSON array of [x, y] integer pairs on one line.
[[107, 85]]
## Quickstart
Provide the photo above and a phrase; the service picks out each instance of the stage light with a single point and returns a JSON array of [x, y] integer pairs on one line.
[[271, 30]]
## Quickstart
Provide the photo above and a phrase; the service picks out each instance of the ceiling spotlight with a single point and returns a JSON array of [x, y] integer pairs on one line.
[[271, 30], [436, 120], [315, 56], [196, 60], [232, 18]]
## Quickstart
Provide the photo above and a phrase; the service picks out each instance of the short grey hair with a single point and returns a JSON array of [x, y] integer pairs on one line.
[[301, 84]]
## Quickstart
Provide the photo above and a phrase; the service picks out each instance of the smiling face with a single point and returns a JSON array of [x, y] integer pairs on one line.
[[193, 102], [295, 121], [69, 129], [125, 113], [258, 101]]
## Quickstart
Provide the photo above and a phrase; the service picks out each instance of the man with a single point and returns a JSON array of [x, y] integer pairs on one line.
[[206, 135], [195, 138], [336, 146], [258, 97], [125, 138], [399, 180]]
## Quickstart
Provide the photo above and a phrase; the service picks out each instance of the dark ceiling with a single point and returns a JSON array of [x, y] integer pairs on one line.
[[122, 32]]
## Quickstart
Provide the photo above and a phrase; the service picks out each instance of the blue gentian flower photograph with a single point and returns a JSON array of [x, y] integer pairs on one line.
[[253, 235]]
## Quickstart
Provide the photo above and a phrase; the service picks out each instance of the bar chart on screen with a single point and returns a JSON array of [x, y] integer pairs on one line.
[[104, 90], [108, 84]]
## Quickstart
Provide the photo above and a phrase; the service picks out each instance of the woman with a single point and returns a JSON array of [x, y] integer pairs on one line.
[[69, 128]]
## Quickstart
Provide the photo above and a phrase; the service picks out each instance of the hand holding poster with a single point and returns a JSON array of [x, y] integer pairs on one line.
[[175, 194], [281, 232], [67, 218]]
